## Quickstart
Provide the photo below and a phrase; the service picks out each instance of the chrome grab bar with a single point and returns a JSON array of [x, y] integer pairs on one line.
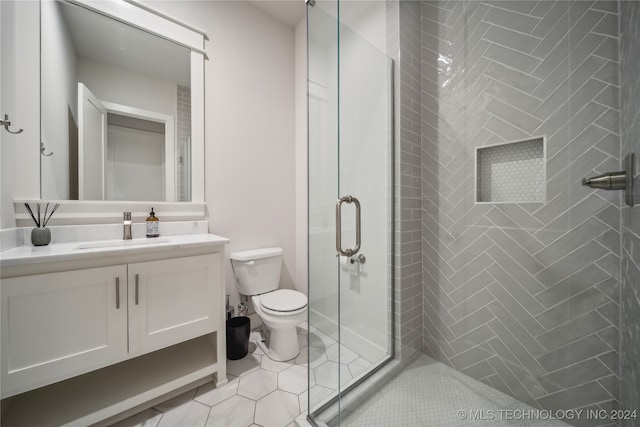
[[347, 252]]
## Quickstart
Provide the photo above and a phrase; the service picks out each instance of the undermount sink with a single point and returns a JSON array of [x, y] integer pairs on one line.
[[118, 243]]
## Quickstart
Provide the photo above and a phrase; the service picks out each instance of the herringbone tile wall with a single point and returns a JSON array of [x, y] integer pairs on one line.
[[630, 134], [524, 297]]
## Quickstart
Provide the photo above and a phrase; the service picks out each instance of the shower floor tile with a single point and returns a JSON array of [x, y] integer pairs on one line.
[[429, 393]]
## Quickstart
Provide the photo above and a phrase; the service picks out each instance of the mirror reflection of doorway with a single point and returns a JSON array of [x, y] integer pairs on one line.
[[124, 153], [135, 154]]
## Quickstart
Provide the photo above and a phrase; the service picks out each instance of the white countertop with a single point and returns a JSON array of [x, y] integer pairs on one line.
[[81, 250]]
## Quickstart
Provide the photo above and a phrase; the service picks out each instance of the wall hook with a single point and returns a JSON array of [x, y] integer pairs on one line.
[[6, 123], [42, 149]]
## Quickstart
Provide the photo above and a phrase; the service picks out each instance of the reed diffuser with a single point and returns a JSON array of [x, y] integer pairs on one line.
[[41, 235]]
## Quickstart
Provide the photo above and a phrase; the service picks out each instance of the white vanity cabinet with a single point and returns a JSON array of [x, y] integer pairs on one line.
[[91, 336], [60, 324], [173, 300]]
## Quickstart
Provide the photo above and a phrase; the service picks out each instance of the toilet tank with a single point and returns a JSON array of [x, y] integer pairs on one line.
[[257, 270]]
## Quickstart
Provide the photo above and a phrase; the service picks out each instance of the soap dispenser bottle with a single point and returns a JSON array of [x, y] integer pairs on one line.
[[153, 225]]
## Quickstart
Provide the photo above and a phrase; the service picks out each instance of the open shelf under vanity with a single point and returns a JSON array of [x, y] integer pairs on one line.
[[116, 392]]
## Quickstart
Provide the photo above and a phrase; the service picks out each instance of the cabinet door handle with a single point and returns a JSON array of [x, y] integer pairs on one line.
[[117, 293], [137, 288]]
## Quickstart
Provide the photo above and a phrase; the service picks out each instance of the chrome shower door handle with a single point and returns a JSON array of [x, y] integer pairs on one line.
[[347, 252]]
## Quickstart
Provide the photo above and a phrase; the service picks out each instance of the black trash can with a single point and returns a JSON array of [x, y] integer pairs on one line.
[[238, 330]]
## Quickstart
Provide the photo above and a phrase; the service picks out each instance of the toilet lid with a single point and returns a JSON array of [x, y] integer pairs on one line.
[[283, 300]]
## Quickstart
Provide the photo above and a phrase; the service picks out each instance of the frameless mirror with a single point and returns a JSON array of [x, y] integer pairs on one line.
[[115, 110]]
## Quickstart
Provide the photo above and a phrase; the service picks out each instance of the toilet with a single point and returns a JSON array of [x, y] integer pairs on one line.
[[257, 273]]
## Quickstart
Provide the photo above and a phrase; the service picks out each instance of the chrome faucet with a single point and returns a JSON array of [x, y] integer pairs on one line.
[[127, 225]]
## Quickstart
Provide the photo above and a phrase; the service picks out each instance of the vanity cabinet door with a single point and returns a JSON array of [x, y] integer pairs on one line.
[[58, 325], [174, 300]]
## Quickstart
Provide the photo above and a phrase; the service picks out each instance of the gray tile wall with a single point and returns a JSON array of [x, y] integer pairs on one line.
[[184, 133], [524, 297], [630, 139], [403, 46]]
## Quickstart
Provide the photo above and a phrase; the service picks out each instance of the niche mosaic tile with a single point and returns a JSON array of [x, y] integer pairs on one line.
[[513, 172]]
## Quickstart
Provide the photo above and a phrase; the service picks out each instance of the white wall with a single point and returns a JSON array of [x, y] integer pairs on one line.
[[114, 84], [20, 75], [60, 93], [367, 18], [7, 93], [301, 273], [249, 133], [134, 156]]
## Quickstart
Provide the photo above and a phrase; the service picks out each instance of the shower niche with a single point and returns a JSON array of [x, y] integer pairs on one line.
[[512, 172]]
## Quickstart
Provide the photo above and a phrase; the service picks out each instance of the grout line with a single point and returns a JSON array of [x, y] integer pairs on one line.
[[603, 128]]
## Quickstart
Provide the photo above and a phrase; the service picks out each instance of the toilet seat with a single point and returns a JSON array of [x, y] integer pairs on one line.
[[283, 302]]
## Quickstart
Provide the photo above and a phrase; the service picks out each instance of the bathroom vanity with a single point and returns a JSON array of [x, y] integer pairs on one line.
[[93, 331]]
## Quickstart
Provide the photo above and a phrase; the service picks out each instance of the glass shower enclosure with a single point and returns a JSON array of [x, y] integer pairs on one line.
[[481, 278], [350, 206]]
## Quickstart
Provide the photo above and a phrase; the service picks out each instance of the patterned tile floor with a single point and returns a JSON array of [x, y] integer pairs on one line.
[[260, 392]]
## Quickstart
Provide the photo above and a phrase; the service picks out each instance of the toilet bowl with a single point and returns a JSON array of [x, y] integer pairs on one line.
[[281, 319], [257, 273]]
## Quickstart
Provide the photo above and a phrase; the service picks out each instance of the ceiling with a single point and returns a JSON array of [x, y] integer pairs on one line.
[[106, 40], [112, 42], [289, 12]]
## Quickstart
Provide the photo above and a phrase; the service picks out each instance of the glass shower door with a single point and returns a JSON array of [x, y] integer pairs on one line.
[[350, 206]]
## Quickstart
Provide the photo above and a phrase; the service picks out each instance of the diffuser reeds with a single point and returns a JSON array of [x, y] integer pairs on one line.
[[42, 221]]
